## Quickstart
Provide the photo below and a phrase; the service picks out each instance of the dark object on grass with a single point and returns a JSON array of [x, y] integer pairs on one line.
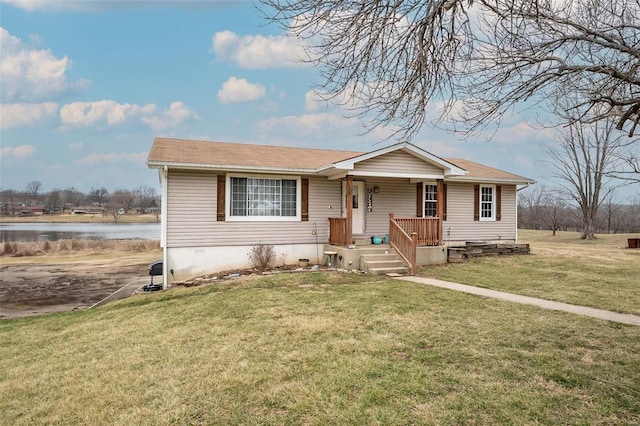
[[155, 269], [152, 287]]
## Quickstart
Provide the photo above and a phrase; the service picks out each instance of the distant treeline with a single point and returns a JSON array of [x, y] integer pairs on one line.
[[32, 200], [540, 210]]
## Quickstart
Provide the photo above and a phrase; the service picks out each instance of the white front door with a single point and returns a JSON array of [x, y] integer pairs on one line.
[[359, 204]]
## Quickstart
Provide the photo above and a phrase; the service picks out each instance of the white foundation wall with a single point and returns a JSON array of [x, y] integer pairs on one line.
[[189, 262]]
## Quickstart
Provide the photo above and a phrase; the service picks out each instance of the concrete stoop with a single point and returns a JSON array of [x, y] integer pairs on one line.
[[383, 263]]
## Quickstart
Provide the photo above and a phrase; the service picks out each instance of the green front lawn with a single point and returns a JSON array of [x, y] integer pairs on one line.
[[601, 273], [318, 348]]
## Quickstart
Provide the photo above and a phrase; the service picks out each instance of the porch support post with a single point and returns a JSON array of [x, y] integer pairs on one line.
[[440, 206], [349, 230]]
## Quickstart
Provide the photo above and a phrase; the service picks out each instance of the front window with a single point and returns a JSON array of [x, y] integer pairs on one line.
[[263, 197], [430, 201], [487, 203]]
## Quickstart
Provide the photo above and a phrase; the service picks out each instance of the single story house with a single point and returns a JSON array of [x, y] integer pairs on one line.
[[219, 200]]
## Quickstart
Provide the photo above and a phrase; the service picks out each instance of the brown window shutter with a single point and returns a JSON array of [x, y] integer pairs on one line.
[[222, 186], [476, 202], [304, 214], [498, 202], [419, 199], [444, 201]]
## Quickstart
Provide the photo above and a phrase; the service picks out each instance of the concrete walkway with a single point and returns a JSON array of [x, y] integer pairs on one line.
[[546, 304]]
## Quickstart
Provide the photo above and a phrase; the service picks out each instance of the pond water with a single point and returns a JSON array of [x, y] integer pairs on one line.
[[79, 231]]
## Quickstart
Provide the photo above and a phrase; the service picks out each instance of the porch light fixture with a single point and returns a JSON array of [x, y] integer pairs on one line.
[[376, 189]]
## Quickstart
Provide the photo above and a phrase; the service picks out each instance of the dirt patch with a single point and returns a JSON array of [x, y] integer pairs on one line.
[[36, 289]]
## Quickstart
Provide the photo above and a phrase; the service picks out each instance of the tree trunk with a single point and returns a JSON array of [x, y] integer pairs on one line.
[[588, 226]]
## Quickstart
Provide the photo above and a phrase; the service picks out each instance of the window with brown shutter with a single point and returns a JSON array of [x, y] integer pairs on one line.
[[419, 199], [221, 198], [444, 201], [476, 202], [304, 214], [498, 202]]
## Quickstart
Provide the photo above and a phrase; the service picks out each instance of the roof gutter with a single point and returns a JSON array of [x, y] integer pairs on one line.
[[490, 180], [226, 168]]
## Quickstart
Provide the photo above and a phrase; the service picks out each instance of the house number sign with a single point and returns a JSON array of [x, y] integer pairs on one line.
[[370, 199]]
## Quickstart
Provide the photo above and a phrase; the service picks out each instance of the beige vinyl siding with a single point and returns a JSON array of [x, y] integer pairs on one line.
[[191, 210], [397, 161], [397, 196], [460, 223]]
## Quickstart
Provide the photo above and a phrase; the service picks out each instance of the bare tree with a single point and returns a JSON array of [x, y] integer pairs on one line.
[[54, 203], [121, 201], [72, 196], [390, 59], [144, 196], [581, 160], [33, 187], [99, 195], [530, 201], [542, 209], [609, 208], [554, 211], [629, 164]]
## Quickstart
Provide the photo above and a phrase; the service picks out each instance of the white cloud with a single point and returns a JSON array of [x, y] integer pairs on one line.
[[258, 51], [28, 74], [317, 125], [33, 5], [98, 5], [26, 115], [177, 114], [110, 113], [93, 159], [237, 90], [313, 101], [76, 146], [521, 132], [21, 151], [441, 148]]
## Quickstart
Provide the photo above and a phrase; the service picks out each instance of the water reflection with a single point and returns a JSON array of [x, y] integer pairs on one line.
[[82, 231]]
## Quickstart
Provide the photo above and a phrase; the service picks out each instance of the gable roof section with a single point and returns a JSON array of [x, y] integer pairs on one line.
[[480, 173], [203, 155], [191, 154], [448, 168]]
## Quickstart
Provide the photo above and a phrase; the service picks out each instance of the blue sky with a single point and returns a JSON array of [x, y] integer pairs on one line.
[[87, 85]]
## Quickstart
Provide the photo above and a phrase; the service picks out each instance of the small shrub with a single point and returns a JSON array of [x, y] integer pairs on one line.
[[262, 255], [60, 246], [46, 246], [9, 248]]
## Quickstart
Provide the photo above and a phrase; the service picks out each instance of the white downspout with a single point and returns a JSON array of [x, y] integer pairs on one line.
[[164, 174], [517, 196]]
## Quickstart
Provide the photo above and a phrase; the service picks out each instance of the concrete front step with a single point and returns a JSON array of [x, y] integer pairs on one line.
[[374, 257], [382, 263], [384, 271]]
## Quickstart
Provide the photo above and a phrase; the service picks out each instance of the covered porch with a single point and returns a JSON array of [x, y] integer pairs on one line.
[[397, 191], [405, 234], [405, 237]]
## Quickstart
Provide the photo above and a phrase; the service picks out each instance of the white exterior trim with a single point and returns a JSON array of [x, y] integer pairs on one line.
[[164, 175], [493, 204], [471, 179], [395, 175], [349, 164], [226, 168]]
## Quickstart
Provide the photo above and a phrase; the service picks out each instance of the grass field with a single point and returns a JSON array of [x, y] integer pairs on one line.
[[600, 273], [12, 252], [318, 348]]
